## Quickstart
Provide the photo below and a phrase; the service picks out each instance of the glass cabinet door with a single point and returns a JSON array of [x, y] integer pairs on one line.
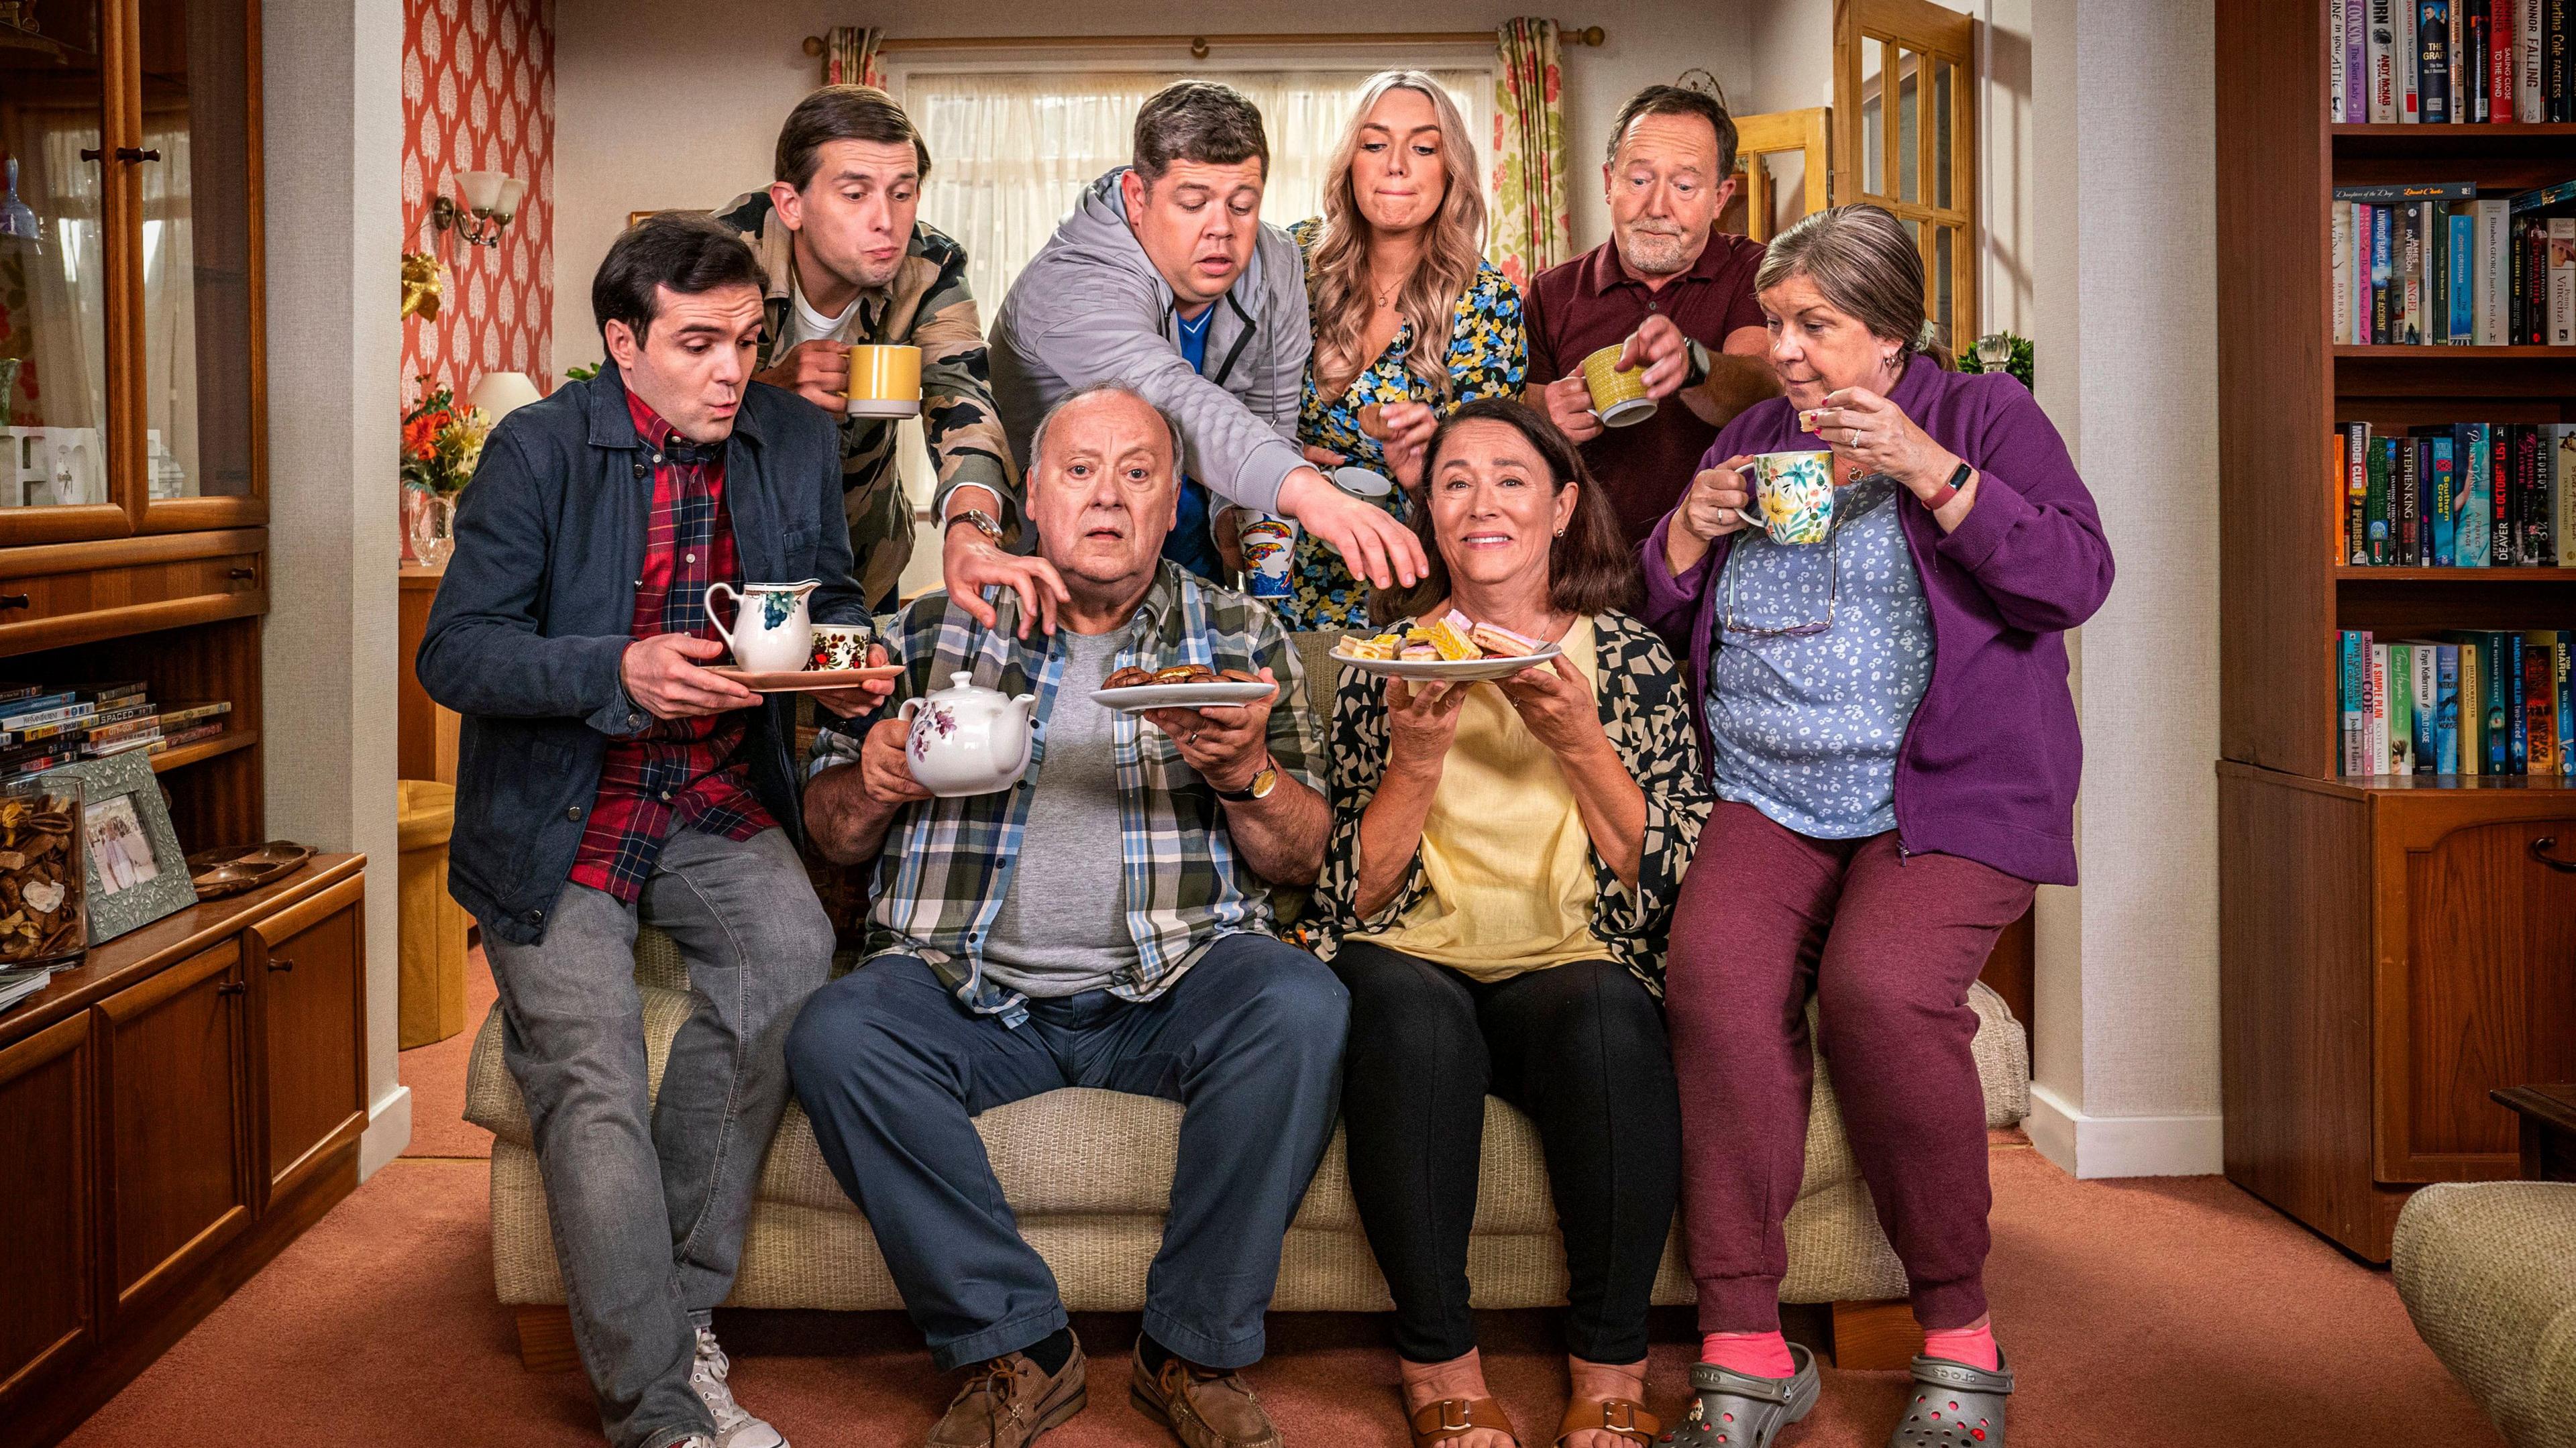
[[57, 261], [197, 247]]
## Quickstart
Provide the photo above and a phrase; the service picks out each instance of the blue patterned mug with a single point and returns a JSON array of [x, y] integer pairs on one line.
[[1795, 492]]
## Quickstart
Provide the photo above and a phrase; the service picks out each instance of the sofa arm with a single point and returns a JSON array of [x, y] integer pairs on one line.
[[2487, 1271]]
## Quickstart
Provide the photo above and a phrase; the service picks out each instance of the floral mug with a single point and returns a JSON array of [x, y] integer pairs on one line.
[[1795, 492]]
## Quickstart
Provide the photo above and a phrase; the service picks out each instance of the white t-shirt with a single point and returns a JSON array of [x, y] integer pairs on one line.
[[804, 324]]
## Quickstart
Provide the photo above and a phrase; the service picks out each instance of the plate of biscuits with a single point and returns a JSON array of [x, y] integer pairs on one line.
[[1181, 686], [1455, 649]]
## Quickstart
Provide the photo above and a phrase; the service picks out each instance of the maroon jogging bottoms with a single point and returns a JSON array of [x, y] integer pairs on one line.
[[1889, 943]]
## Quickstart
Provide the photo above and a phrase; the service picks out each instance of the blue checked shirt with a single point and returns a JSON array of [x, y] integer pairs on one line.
[[945, 868]]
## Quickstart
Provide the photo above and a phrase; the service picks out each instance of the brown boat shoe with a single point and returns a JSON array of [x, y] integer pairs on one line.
[[1009, 1401], [1204, 1407]]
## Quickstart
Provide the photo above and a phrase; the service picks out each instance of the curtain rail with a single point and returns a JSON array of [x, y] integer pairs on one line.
[[1199, 45]]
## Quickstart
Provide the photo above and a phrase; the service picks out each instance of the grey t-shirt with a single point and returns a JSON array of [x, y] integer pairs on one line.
[[1062, 928]]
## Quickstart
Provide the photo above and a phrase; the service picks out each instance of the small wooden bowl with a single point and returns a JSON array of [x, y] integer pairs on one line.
[[235, 868]]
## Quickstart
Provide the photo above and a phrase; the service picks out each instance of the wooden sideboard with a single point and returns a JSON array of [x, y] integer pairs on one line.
[[425, 735], [172, 1114]]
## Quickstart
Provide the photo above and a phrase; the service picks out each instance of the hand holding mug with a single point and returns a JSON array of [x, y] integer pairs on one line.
[[1659, 349], [817, 371], [1715, 504], [1569, 406]]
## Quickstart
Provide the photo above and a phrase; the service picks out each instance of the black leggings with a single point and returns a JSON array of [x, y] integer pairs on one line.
[[1579, 1047]]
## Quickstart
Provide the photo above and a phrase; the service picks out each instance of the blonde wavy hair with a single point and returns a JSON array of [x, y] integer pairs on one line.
[[1338, 278]]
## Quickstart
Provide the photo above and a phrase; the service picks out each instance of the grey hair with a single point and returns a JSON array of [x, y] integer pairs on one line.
[[1865, 263], [1037, 439], [1197, 120]]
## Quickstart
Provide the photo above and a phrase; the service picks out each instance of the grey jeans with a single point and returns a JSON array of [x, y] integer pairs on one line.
[[647, 1196]]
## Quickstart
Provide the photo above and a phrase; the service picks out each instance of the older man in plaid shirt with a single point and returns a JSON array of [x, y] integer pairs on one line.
[[1107, 923]]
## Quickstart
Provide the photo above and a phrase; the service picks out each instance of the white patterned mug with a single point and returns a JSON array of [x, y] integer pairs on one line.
[[1795, 492], [839, 646]]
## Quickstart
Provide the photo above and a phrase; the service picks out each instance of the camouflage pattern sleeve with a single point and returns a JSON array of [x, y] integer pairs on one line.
[[958, 418]]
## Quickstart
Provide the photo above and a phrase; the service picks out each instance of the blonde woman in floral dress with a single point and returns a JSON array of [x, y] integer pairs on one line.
[[1410, 319]]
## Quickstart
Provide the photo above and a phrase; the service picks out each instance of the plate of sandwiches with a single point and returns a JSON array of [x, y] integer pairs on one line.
[[1455, 649], [1182, 686]]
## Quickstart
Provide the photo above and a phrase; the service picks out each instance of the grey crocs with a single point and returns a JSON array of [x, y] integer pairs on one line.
[[1954, 1406], [1737, 1410]]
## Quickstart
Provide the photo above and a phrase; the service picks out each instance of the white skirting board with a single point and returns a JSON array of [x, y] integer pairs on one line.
[[388, 1131], [2092, 1147]]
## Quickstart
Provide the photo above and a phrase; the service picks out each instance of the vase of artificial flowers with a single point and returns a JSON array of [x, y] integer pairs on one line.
[[442, 442]]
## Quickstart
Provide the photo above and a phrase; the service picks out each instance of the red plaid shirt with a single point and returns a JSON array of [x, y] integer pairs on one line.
[[679, 773]]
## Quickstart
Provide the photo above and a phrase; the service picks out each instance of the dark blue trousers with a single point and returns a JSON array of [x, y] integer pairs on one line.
[[892, 1069]]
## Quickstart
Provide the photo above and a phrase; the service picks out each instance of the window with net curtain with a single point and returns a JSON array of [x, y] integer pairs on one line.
[[1010, 152]]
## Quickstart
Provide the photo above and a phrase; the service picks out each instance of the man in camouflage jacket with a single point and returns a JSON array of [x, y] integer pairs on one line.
[[849, 263]]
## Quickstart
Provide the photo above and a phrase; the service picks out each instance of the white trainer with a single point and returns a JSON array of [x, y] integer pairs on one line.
[[735, 1428]]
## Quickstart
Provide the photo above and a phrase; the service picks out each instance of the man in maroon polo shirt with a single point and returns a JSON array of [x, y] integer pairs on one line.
[[1671, 288]]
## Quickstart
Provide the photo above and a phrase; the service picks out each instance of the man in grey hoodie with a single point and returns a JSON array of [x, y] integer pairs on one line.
[[1164, 278]]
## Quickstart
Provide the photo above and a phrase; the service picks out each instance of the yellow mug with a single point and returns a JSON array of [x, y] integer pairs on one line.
[[885, 381], [1618, 398]]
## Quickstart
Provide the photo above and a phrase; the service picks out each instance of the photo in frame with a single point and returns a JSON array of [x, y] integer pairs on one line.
[[133, 866]]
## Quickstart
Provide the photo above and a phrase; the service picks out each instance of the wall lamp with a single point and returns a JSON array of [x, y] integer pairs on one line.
[[491, 199]]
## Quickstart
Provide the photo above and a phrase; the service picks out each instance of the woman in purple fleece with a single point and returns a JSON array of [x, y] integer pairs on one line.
[[1895, 756]]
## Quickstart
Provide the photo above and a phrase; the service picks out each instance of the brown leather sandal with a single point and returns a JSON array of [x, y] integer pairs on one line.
[[1438, 1422], [1621, 1416]]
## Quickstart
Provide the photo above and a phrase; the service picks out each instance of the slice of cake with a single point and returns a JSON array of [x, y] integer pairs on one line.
[[1449, 639], [1493, 641]]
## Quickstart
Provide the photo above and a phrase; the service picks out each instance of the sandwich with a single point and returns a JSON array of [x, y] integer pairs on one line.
[[1493, 641]]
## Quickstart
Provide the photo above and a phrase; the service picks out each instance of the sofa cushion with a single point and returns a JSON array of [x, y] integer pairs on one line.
[[1129, 1143], [2487, 1270]]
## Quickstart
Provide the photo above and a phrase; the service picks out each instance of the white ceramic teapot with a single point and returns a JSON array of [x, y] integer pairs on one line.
[[772, 633], [968, 740]]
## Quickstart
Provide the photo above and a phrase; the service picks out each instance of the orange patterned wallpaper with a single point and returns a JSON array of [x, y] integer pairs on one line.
[[478, 80]]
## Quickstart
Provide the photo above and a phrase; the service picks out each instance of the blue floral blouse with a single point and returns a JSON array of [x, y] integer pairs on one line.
[[1487, 354]]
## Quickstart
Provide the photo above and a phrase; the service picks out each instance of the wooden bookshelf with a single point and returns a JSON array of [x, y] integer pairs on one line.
[[2390, 948]]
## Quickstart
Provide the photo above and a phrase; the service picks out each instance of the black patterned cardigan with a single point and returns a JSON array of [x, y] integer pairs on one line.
[[1645, 711]]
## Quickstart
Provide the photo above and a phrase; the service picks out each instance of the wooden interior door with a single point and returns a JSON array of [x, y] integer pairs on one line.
[[1758, 139], [178, 1125], [1905, 138], [309, 963], [2476, 984], [46, 1291]]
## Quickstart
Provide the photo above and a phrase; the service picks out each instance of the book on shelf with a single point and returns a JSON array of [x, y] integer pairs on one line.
[[2446, 263], [2449, 62], [2456, 495], [2467, 703]]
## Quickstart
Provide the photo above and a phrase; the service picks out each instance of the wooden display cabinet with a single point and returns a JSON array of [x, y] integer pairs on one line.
[[173, 1112], [2391, 949]]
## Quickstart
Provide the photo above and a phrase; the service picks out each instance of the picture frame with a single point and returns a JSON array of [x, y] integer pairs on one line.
[[131, 862]]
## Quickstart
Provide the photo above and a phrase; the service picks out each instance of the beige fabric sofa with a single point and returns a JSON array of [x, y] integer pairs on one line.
[[2487, 1270], [1096, 1213]]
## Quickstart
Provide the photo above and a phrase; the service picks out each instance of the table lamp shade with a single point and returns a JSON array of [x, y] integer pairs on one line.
[[501, 393]]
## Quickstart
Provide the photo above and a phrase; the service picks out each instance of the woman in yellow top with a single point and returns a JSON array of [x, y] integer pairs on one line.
[[1502, 869]]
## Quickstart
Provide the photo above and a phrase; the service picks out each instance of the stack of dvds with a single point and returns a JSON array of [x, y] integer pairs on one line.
[[44, 728]]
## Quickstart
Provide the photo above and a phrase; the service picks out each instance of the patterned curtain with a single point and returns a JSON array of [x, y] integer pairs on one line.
[[1529, 225], [850, 56]]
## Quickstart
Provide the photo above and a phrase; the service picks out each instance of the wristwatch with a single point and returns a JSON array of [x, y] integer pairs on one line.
[[1699, 363], [1262, 783], [976, 518]]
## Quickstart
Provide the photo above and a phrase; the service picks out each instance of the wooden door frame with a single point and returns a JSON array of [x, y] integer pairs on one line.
[[1807, 132], [1938, 32]]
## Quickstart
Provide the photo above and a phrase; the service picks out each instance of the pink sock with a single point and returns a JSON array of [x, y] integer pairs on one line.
[[1754, 1354], [1973, 1344]]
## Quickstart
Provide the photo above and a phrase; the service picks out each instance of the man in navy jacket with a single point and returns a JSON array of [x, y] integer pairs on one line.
[[607, 777]]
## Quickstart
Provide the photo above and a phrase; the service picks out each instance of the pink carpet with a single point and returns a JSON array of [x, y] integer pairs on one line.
[[2172, 1312]]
